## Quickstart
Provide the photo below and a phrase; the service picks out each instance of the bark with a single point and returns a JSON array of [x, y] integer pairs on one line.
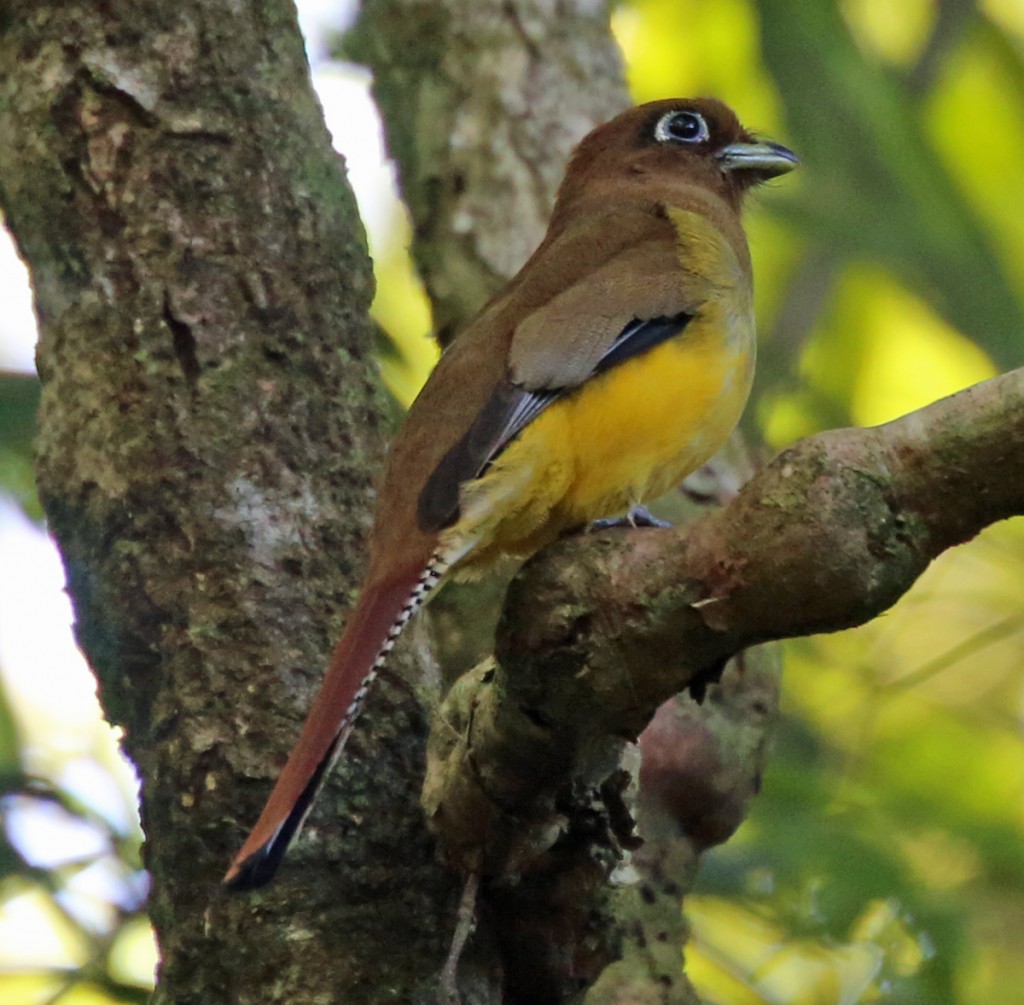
[[210, 427]]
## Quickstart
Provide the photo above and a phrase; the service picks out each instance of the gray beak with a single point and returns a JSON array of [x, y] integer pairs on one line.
[[768, 159]]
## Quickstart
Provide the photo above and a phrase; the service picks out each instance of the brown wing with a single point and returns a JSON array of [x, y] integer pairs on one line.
[[561, 344]]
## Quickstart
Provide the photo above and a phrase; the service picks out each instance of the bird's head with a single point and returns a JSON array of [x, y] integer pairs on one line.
[[695, 141]]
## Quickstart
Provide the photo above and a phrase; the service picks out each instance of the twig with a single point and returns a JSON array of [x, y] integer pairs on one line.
[[465, 921]]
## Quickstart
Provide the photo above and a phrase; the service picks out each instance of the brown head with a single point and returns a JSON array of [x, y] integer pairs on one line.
[[698, 141]]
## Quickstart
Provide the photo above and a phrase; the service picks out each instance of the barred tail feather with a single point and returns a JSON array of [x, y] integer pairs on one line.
[[383, 611]]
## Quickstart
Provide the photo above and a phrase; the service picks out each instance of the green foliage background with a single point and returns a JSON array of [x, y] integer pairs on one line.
[[884, 860]]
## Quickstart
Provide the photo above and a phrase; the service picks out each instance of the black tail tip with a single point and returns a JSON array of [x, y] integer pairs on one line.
[[256, 871], [259, 868]]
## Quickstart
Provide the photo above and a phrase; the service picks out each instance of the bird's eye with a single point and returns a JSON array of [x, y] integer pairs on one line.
[[681, 127]]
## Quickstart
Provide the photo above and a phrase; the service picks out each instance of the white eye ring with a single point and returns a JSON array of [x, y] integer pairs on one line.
[[671, 128]]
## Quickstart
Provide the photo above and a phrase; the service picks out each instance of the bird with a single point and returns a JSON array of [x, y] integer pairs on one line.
[[615, 363]]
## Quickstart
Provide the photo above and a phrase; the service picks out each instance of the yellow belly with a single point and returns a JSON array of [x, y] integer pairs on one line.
[[624, 437]]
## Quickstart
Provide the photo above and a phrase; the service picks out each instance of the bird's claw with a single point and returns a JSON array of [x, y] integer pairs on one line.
[[636, 516]]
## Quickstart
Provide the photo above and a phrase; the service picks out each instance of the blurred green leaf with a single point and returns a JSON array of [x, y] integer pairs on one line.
[[19, 402], [874, 185], [10, 756], [11, 780]]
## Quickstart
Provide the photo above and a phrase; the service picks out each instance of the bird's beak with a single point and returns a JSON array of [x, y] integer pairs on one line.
[[768, 159]]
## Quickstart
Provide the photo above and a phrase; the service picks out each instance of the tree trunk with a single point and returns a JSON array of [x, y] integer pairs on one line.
[[210, 427]]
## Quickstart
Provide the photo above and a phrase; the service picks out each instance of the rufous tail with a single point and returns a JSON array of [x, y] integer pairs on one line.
[[377, 621]]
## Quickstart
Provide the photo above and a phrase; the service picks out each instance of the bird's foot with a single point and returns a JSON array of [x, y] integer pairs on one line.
[[636, 516]]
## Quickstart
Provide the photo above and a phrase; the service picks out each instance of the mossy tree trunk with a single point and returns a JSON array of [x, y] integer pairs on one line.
[[210, 427]]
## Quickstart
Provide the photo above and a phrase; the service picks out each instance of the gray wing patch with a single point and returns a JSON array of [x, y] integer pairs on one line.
[[509, 410]]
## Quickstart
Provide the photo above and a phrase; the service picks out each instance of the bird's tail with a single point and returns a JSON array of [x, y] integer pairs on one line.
[[377, 621]]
